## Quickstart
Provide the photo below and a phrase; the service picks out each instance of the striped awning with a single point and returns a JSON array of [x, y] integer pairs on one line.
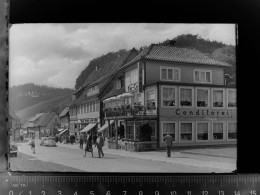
[[104, 126], [62, 132], [88, 127]]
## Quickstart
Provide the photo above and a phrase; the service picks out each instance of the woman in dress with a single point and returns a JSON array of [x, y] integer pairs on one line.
[[88, 147]]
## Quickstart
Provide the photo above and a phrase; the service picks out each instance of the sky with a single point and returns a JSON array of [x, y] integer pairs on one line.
[[55, 54]]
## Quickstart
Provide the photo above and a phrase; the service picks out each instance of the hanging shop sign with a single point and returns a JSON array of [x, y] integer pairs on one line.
[[133, 87], [207, 114], [140, 79]]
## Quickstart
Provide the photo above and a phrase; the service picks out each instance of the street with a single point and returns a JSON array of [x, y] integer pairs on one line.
[[67, 159]]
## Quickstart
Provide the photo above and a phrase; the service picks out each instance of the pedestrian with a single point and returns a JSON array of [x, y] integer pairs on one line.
[[88, 147], [67, 140], [168, 140], [33, 144], [95, 138], [99, 144], [81, 139]]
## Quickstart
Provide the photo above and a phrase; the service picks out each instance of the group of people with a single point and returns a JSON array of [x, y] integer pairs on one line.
[[96, 140]]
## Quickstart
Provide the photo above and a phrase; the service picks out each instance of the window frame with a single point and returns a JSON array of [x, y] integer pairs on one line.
[[176, 131], [228, 122], [175, 93], [197, 140], [212, 98], [173, 78], [196, 98], [192, 97], [192, 132], [212, 132], [227, 93], [202, 70]]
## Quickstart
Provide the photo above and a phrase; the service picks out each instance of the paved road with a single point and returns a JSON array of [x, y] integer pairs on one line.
[[67, 160]]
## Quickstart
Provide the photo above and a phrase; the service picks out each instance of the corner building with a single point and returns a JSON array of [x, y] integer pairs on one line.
[[181, 91]]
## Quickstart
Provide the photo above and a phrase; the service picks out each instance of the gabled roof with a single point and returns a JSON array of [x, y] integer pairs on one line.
[[36, 117], [45, 119], [176, 54], [64, 112]]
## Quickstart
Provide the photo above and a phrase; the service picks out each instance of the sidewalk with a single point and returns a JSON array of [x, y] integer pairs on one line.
[[207, 158]]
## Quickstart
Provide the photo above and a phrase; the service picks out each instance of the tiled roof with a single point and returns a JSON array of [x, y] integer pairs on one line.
[[64, 112], [45, 119], [176, 54], [36, 117], [114, 92]]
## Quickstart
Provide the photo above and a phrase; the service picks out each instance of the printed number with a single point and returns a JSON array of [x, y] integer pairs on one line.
[[253, 192], [125, 192], [237, 192], [92, 192], [140, 192], [11, 192], [59, 192], [43, 192], [108, 193], [157, 193], [221, 192], [189, 192], [205, 192], [173, 193]]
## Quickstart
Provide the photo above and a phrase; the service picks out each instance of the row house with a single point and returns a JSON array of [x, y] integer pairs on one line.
[[86, 109], [15, 126], [64, 120], [173, 89]]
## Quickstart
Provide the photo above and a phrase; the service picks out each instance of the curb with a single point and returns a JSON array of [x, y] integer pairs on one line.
[[205, 154]]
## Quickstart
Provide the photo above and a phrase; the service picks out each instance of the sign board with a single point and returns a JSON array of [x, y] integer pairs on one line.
[[133, 87]]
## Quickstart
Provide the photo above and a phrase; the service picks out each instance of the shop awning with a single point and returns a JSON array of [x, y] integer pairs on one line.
[[62, 132], [105, 126], [88, 127]]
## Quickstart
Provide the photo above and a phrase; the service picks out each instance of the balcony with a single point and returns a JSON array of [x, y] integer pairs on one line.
[[130, 112]]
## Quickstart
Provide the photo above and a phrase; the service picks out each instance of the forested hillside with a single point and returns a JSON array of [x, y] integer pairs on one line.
[[23, 96]]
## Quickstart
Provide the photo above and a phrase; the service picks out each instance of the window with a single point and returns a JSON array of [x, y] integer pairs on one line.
[[88, 107], [169, 127], [218, 131], [186, 132], [218, 98], [150, 98], [138, 99], [186, 97], [202, 98], [152, 123], [202, 131], [130, 130], [202, 76], [97, 106], [128, 100], [78, 111], [85, 105], [94, 106], [232, 130], [170, 74], [231, 95], [169, 96]]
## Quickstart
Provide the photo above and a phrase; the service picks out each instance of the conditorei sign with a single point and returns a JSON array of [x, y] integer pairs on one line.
[[197, 113]]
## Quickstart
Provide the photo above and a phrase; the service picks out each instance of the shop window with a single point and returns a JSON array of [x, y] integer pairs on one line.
[[232, 130], [202, 76], [218, 98], [169, 96], [202, 131], [218, 131], [150, 98], [202, 96], [169, 127], [231, 98], [170, 74], [186, 131], [153, 126], [186, 97]]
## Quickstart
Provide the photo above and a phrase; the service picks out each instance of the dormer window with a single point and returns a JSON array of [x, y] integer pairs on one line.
[[202, 76]]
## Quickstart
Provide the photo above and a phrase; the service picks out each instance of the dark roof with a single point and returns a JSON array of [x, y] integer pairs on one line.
[[45, 119], [114, 92], [176, 54], [64, 112]]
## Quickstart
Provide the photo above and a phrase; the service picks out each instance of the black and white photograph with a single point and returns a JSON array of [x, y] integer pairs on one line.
[[123, 97]]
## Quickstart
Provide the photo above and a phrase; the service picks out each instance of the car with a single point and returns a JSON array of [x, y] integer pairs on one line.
[[13, 149], [50, 142]]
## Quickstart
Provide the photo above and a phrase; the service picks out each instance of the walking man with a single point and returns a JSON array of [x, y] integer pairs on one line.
[[81, 139], [100, 144], [168, 140], [33, 144]]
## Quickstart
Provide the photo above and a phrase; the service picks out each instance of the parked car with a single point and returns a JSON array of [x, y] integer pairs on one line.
[[13, 149], [49, 141]]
